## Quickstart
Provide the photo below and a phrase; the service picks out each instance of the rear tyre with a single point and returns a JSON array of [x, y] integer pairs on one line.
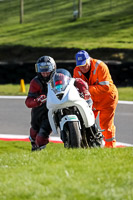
[[94, 137]]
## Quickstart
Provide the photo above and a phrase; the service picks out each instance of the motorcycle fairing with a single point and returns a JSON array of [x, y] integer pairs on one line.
[[70, 98]]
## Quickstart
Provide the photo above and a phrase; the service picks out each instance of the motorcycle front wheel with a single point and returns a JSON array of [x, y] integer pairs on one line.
[[72, 135]]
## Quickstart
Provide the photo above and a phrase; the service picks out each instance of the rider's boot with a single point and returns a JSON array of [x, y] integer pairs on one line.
[[41, 142], [32, 137]]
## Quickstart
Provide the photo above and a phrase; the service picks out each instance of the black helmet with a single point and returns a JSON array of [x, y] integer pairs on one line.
[[45, 64]]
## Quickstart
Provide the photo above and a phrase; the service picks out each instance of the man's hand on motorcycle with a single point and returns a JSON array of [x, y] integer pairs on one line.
[[86, 95], [41, 99]]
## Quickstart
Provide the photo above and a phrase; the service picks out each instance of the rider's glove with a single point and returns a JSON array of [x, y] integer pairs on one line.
[[41, 99]]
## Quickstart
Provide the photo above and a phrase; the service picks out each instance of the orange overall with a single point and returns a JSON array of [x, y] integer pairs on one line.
[[104, 95]]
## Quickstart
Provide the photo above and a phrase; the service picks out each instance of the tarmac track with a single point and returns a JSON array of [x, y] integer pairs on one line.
[[15, 118]]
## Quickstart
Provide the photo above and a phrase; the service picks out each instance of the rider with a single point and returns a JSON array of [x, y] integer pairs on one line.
[[36, 99]]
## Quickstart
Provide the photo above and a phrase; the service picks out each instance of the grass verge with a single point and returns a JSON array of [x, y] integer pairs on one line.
[[58, 173]]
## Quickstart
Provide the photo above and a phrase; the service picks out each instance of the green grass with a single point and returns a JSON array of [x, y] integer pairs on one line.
[[58, 173], [13, 89], [50, 24], [125, 93]]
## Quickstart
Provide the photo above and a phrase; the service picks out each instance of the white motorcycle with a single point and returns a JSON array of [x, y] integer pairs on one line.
[[69, 114]]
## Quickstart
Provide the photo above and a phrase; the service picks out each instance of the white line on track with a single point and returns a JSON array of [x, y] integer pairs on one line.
[[13, 97], [24, 97], [125, 102]]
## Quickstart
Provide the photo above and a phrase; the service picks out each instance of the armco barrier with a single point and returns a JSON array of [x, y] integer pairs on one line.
[[122, 73]]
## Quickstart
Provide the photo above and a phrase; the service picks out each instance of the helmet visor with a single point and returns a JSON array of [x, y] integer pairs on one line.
[[44, 67]]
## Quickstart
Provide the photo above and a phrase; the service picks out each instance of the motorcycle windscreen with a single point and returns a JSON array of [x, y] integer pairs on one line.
[[59, 82], [58, 86]]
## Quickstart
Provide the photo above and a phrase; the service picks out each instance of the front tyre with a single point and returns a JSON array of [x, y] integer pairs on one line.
[[73, 135]]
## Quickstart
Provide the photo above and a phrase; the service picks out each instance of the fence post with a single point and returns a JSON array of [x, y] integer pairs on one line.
[[21, 11], [79, 8]]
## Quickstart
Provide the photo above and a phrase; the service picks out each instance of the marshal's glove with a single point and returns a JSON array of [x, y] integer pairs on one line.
[[41, 99], [85, 95]]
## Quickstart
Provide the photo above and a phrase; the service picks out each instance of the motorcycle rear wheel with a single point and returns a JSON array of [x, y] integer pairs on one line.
[[94, 138]]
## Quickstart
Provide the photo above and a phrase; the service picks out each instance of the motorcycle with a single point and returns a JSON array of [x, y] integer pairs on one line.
[[69, 114]]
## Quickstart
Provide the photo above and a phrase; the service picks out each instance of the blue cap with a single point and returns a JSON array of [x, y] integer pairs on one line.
[[81, 57]]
